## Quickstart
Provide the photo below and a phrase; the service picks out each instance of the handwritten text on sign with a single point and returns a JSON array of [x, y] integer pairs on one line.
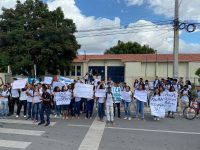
[[83, 90], [63, 98], [170, 99], [157, 105]]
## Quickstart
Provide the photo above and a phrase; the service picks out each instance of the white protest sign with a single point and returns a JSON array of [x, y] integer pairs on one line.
[[63, 98], [100, 93], [141, 95], [19, 84], [48, 80], [170, 101], [157, 105], [83, 90], [58, 84]]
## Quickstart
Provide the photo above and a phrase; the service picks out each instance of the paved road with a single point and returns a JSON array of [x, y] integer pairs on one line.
[[167, 134]]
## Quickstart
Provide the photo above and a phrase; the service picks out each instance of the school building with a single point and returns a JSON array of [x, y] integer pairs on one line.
[[128, 67]]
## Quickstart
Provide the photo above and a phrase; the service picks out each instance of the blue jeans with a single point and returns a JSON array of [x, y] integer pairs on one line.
[[101, 110], [77, 108], [4, 108], [36, 108], [47, 110], [29, 105], [140, 108], [127, 109], [90, 107], [57, 109]]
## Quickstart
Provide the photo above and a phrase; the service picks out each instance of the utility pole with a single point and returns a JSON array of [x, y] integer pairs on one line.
[[176, 40]]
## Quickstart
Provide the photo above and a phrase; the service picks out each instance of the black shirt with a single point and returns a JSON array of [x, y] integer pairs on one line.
[[47, 99]]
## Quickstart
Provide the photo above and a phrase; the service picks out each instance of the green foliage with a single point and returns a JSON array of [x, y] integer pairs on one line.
[[130, 48], [31, 34], [198, 73]]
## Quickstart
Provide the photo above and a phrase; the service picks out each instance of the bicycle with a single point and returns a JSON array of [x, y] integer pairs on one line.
[[190, 112]]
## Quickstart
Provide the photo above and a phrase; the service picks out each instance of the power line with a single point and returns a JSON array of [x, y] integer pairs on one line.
[[180, 3]]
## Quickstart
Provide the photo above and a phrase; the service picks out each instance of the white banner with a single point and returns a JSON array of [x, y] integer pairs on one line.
[[19, 84], [48, 80], [83, 90], [100, 93], [63, 98], [157, 105], [170, 99], [141, 95], [58, 84]]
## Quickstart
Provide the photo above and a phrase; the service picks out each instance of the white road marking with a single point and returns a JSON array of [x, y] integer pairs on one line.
[[159, 131], [21, 132], [93, 137], [144, 130], [14, 144], [78, 125], [14, 121]]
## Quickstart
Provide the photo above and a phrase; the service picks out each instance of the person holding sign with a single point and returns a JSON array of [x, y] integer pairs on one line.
[[36, 104], [101, 101], [65, 107], [109, 106], [14, 94], [57, 109], [46, 106], [116, 90], [127, 96], [155, 105], [173, 100], [90, 106], [141, 97]]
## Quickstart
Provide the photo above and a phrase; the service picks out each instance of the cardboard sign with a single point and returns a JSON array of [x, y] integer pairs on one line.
[[63, 98], [48, 80], [100, 93], [83, 90], [116, 94], [141, 95], [19, 84], [157, 105]]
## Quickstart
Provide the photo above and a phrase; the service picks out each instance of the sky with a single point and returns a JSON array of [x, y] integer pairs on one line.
[[101, 23]]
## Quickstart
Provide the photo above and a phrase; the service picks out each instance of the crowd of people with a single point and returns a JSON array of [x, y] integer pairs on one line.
[[39, 100]]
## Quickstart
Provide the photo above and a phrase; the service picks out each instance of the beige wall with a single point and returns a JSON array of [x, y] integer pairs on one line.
[[135, 70]]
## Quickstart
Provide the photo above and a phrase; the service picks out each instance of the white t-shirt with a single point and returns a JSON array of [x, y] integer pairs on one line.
[[101, 99], [23, 96], [36, 98], [30, 97], [14, 93], [185, 98], [5, 95], [109, 100]]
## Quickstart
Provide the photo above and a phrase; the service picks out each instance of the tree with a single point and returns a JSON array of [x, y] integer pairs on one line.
[[130, 48], [31, 34], [198, 73]]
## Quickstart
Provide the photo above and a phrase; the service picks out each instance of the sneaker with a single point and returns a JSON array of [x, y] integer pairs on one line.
[[40, 123], [129, 118], [112, 122], [55, 116], [125, 118], [158, 119], [24, 116], [154, 118], [17, 116], [47, 124]]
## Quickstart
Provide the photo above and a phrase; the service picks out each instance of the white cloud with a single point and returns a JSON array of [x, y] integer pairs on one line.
[[8, 4], [156, 36], [134, 2]]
